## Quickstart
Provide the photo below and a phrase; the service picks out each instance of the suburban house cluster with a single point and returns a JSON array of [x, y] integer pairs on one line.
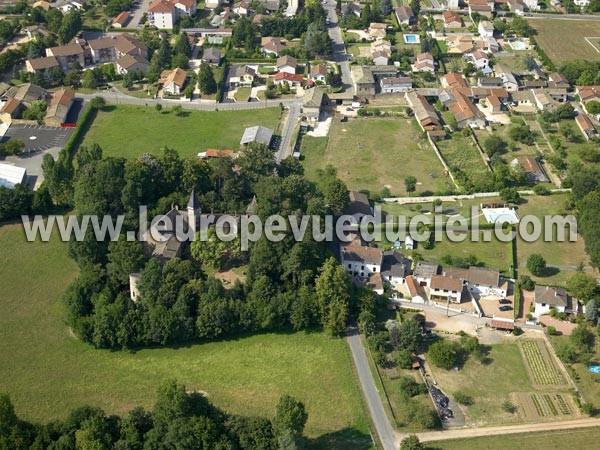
[[14, 100]]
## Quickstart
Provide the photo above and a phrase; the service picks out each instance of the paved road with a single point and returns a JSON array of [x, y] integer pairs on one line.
[[510, 429], [137, 14], [286, 146], [390, 439], [120, 98], [338, 47]]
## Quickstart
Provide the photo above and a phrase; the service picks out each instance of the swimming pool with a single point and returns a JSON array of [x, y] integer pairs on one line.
[[412, 39], [594, 369], [518, 45]]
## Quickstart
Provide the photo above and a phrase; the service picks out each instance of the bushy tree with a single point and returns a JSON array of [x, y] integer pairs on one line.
[[536, 264]]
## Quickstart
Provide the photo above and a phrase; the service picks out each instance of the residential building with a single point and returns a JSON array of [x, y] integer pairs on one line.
[[380, 58], [68, 54], [318, 72], [272, 46], [582, 3], [395, 267], [480, 59], [164, 14], [588, 93], [35, 30], [452, 19], [404, 15], [173, 81], [586, 126], [312, 103], [27, 93], [424, 112], [11, 110], [41, 65], [59, 107], [286, 64], [532, 5], [445, 288], [451, 4], [424, 63], [546, 298], [257, 134], [241, 8], [508, 79], [241, 75], [212, 4], [415, 291], [211, 153], [485, 29], [465, 112], [377, 30], [111, 48], [212, 56], [121, 20], [557, 80], [11, 175], [359, 205], [360, 260], [292, 80], [493, 104], [453, 80], [424, 271], [532, 168], [482, 7], [132, 63], [351, 8], [395, 85]]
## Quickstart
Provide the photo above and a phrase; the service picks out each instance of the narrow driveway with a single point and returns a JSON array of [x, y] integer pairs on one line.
[[137, 13], [338, 47], [285, 149], [390, 440]]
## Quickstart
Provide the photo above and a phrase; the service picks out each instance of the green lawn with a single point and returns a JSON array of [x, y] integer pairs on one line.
[[568, 254], [374, 153], [47, 371], [489, 385], [129, 131], [583, 438], [551, 37]]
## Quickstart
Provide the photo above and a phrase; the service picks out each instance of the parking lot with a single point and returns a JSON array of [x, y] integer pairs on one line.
[[38, 138]]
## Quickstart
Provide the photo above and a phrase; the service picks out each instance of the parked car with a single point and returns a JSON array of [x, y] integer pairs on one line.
[[505, 308], [504, 301]]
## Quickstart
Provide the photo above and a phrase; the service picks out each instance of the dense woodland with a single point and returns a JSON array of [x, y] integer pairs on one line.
[[180, 420]]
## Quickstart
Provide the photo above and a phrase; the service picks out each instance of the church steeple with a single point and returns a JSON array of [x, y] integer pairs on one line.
[[193, 210]]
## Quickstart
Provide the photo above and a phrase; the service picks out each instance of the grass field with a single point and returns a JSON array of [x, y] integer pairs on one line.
[[375, 153], [565, 255], [129, 131], [489, 385], [460, 151], [551, 37], [47, 371], [583, 438]]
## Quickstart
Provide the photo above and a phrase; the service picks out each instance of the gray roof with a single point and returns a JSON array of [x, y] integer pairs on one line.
[[551, 296], [426, 269], [395, 264], [259, 134], [313, 98], [212, 54]]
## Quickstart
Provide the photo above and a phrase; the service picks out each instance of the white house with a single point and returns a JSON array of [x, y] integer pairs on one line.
[[445, 288], [533, 5], [380, 58], [241, 8], [287, 64], [409, 243], [395, 267], [582, 3], [395, 85], [361, 261], [318, 72], [424, 63], [546, 297], [486, 29], [165, 13], [480, 60], [173, 81]]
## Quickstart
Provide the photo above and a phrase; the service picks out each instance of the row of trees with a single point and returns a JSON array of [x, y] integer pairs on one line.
[[180, 420]]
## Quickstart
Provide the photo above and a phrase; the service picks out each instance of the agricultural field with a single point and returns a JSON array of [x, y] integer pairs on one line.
[[541, 366], [546, 406], [118, 129], [582, 438], [373, 153], [551, 37], [47, 372]]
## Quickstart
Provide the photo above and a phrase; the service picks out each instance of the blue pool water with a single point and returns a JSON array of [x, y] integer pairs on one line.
[[518, 45], [412, 38], [594, 369]]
